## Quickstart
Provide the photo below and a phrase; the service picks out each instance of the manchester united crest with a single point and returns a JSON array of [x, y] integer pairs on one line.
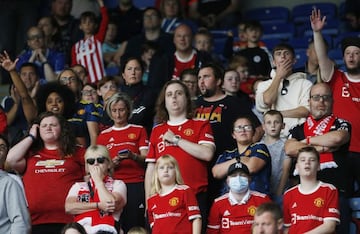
[[173, 201], [251, 210], [319, 202]]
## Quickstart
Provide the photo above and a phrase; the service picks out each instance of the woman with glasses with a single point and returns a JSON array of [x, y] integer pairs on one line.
[[70, 78], [128, 147], [50, 162], [254, 155], [97, 202]]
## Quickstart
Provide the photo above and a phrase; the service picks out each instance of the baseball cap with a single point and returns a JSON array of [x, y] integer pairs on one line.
[[238, 167], [350, 41]]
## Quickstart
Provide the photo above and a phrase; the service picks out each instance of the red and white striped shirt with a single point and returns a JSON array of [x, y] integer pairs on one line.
[[88, 52]]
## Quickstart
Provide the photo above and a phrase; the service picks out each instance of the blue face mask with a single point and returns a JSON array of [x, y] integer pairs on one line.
[[238, 184]]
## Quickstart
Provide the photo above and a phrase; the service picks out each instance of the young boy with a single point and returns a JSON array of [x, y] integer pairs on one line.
[[312, 206], [88, 51], [280, 162], [259, 58]]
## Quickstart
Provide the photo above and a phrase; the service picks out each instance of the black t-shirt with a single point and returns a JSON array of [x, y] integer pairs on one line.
[[222, 114], [258, 61]]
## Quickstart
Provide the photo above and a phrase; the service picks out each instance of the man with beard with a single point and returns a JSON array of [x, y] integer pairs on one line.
[[330, 136], [221, 110], [345, 86]]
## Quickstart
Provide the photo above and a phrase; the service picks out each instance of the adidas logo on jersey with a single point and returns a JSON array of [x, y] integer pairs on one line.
[[226, 213], [294, 205]]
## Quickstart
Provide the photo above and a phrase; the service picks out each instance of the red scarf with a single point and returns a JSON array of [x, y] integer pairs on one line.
[[313, 127], [97, 216]]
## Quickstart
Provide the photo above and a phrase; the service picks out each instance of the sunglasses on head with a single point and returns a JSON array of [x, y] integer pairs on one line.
[[99, 160], [284, 89]]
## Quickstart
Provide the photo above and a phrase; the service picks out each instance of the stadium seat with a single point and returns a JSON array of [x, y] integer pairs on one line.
[[283, 31], [219, 44], [142, 4], [112, 71], [338, 39], [270, 43], [300, 42], [111, 4], [300, 55], [331, 28], [337, 56], [264, 15], [301, 12]]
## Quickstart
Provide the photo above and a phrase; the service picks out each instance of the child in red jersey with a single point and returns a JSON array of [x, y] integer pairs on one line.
[[312, 206], [172, 208], [233, 212]]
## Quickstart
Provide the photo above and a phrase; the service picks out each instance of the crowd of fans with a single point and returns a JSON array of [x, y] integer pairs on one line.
[[125, 120]]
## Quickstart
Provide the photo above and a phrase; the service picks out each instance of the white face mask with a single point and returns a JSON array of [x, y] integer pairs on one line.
[[238, 184]]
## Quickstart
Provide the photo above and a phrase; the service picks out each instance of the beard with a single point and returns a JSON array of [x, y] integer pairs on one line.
[[209, 92]]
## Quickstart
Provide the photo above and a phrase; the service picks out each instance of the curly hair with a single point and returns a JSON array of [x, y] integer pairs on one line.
[[67, 140], [63, 91]]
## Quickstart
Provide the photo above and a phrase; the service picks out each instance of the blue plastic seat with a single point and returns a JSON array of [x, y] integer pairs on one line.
[[331, 28], [301, 12], [301, 57], [283, 31], [219, 44], [275, 14], [300, 42], [111, 4], [338, 39], [270, 43], [142, 4], [337, 56]]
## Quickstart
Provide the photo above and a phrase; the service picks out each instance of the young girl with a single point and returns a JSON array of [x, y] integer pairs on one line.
[[173, 206]]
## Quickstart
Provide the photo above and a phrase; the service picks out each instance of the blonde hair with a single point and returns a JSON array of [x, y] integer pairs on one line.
[[102, 151], [156, 185], [137, 230]]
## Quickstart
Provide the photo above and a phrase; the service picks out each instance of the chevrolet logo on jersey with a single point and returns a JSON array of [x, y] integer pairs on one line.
[[50, 163]]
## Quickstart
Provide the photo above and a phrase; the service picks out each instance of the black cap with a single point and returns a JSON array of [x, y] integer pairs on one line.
[[238, 167], [350, 41]]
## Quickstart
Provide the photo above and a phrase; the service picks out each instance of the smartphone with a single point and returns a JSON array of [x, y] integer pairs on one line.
[[124, 151]]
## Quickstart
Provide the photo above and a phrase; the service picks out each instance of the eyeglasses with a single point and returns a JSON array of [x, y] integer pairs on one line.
[[245, 128], [3, 147], [284, 89], [99, 160], [88, 92], [151, 16], [34, 37], [189, 82], [317, 97], [67, 80]]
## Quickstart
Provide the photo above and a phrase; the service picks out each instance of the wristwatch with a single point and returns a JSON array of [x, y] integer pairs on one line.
[[176, 140]]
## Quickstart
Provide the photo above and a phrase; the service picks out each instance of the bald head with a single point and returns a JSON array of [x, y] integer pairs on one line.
[[320, 101]]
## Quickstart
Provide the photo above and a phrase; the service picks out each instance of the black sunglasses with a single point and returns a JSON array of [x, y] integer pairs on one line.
[[284, 90], [99, 160]]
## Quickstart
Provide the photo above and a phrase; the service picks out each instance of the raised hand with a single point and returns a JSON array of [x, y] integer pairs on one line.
[[6, 62], [317, 23]]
